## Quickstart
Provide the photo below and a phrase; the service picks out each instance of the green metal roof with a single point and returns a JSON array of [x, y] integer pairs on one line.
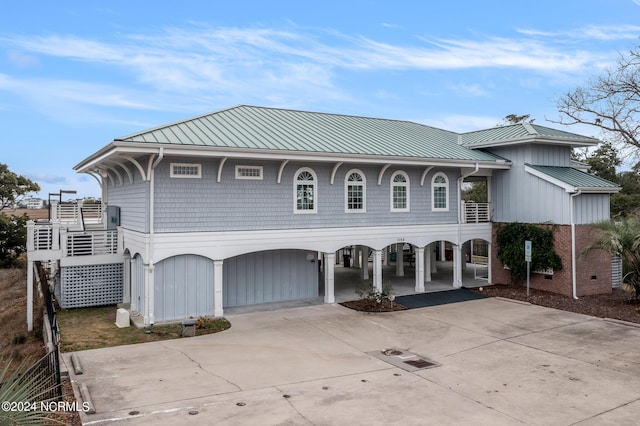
[[250, 127], [522, 132], [575, 178]]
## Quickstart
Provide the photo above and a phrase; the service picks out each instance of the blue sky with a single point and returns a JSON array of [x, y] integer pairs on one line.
[[74, 75]]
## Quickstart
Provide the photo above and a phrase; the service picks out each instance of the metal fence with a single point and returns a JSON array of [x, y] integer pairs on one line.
[[44, 375]]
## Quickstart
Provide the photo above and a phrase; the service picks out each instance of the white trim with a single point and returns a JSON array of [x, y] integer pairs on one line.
[[382, 170], [281, 170], [314, 182], [122, 149], [333, 172], [220, 167], [195, 166], [448, 194], [547, 178], [424, 175], [406, 184], [569, 188], [240, 176], [346, 192]]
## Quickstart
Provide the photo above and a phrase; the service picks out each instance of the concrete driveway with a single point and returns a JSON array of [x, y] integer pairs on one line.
[[498, 362]]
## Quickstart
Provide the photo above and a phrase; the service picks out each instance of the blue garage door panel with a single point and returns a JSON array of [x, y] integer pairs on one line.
[[183, 288], [270, 276]]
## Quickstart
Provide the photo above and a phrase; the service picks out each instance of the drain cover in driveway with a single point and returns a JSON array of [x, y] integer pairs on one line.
[[404, 359]]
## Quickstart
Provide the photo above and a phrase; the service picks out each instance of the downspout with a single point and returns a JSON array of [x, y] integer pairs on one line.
[[460, 179], [573, 245], [458, 268]]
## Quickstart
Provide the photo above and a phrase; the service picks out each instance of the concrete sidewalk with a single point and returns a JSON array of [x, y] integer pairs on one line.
[[498, 362]]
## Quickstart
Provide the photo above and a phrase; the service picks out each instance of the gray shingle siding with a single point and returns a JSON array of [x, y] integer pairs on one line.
[[133, 200], [184, 205]]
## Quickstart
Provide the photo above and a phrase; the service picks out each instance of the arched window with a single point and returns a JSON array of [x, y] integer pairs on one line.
[[304, 195], [355, 191], [399, 192], [439, 192]]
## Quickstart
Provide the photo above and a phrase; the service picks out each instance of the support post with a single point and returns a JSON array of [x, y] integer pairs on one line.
[[148, 294], [30, 295], [217, 288], [134, 286], [420, 270], [457, 266], [400, 259], [329, 278], [364, 250], [377, 269], [428, 254]]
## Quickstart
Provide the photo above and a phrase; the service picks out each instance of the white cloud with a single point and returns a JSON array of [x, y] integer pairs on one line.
[[462, 123], [591, 32]]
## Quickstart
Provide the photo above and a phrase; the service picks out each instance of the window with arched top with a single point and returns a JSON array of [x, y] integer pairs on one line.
[[399, 192], [305, 190], [355, 191], [440, 192]]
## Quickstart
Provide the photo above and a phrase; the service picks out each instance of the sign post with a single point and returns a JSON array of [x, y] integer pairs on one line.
[[527, 258]]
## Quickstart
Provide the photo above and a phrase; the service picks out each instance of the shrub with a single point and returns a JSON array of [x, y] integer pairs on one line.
[[511, 238]]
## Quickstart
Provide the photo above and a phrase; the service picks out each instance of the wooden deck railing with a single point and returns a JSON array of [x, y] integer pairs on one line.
[[53, 236]]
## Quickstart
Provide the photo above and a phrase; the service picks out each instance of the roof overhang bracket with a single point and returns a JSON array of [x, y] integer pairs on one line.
[[138, 166], [284, 163], [220, 167], [382, 170], [334, 171], [424, 175]]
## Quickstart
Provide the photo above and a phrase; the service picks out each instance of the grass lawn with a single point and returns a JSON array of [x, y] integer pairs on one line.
[[93, 328]]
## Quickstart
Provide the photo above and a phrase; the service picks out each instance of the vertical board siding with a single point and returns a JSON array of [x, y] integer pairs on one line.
[[269, 276], [183, 288], [188, 205], [518, 196], [133, 200], [590, 208]]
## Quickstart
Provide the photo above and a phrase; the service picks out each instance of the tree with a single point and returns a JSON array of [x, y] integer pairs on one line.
[[13, 239], [515, 119], [603, 162], [13, 187], [621, 239], [475, 192], [610, 102]]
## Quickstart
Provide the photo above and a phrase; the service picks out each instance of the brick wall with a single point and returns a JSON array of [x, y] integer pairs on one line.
[[593, 272]]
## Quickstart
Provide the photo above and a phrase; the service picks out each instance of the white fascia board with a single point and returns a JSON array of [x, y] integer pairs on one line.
[[569, 188], [552, 180], [211, 152], [543, 140], [598, 190]]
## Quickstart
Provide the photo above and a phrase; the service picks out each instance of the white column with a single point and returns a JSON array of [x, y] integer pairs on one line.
[[217, 288], [365, 262], [420, 270], [434, 262], [356, 257], [148, 294], [400, 259], [385, 256], [428, 253], [126, 281], [377, 269], [457, 266], [443, 255], [489, 278], [329, 278], [30, 295], [134, 285]]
